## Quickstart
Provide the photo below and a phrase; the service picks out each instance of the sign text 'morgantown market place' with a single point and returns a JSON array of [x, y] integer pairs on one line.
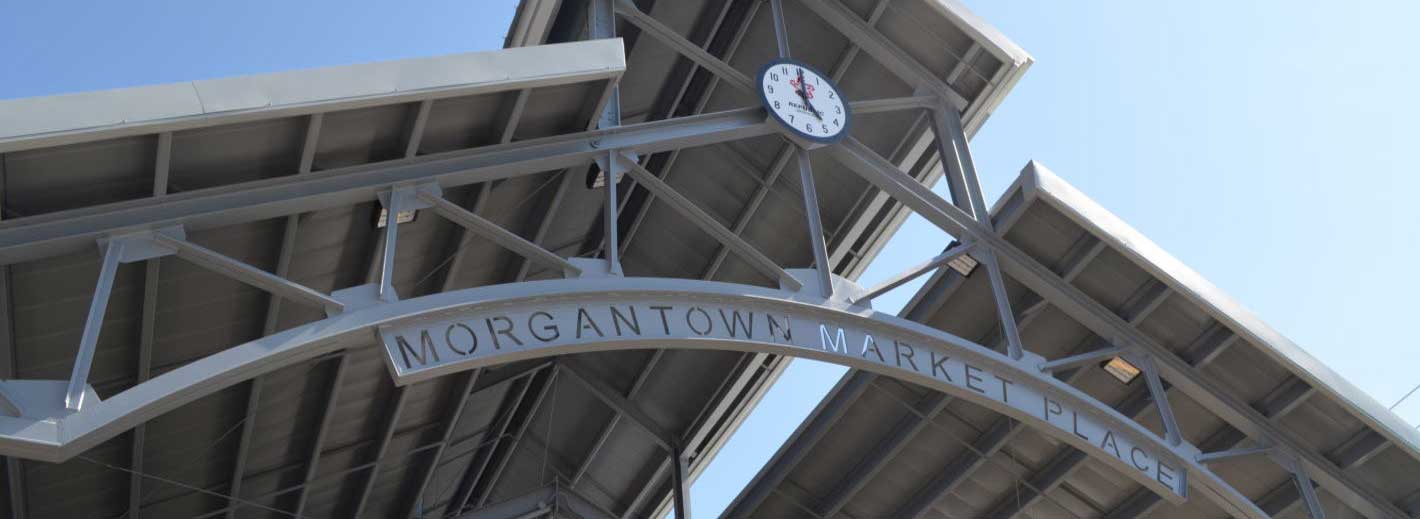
[[479, 336]]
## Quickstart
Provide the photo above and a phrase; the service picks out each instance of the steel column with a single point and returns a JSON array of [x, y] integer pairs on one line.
[[612, 250], [960, 169], [680, 484], [815, 224], [391, 241], [15, 473], [147, 326], [84, 359]]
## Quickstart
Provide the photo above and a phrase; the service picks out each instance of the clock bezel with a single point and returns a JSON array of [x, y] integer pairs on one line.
[[797, 133]]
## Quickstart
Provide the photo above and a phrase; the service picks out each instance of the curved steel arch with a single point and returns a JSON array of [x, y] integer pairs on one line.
[[602, 312]]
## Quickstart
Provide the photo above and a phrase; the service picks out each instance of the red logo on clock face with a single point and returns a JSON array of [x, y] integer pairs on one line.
[[807, 89]]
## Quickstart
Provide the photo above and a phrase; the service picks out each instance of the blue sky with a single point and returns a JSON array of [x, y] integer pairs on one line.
[[1267, 144]]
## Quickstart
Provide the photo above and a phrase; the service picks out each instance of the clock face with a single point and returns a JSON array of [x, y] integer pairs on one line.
[[803, 100]]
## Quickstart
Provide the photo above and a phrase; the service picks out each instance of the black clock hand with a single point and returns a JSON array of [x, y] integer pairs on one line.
[[803, 92]]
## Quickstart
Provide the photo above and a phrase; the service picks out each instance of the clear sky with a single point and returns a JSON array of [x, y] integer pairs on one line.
[[1264, 143]]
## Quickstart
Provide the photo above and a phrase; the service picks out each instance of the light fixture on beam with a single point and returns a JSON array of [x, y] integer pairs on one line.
[[1121, 369], [963, 264], [404, 217]]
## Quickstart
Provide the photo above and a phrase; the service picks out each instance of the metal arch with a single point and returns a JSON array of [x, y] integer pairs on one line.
[[111, 417]]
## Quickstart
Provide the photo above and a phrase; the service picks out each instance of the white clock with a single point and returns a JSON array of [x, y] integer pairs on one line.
[[803, 101]]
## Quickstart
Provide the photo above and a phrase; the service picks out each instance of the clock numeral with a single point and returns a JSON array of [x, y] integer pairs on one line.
[[831, 95], [825, 128], [835, 122], [783, 70], [773, 76], [809, 127], [771, 88], [837, 110], [776, 105], [791, 118]]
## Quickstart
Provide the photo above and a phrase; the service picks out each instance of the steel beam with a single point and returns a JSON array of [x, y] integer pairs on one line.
[[669, 108], [823, 418], [1161, 401], [391, 242], [1358, 449], [814, 221], [628, 11], [482, 227], [463, 390], [462, 239], [391, 424], [1044, 480], [1210, 457], [84, 358], [1081, 358], [15, 474], [960, 172], [612, 251], [884, 452], [708, 223], [518, 437], [680, 484], [472, 476], [1004, 429], [545, 225], [415, 134], [327, 416], [636, 387], [883, 50], [273, 315], [1101, 321], [239, 271], [981, 449], [70, 231], [914, 272], [1285, 398], [620, 404], [542, 502], [1138, 504], [1308, 492], [147, 327]]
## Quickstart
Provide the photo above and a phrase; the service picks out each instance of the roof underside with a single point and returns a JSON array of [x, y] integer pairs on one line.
[[879, 447], [307, 436]]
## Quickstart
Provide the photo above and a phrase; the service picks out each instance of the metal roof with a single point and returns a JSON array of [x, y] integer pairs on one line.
[[879, 447], [281, 172]]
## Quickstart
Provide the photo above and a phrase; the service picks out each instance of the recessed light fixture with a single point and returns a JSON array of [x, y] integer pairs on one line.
[[404, 217], [1121, 369], [596, 179], [963, 264]]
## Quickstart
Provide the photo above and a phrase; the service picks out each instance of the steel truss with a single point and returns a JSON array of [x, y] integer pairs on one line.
[[154, 227]]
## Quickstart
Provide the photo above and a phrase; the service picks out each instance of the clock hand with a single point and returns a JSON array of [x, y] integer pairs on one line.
[[803, 92]]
